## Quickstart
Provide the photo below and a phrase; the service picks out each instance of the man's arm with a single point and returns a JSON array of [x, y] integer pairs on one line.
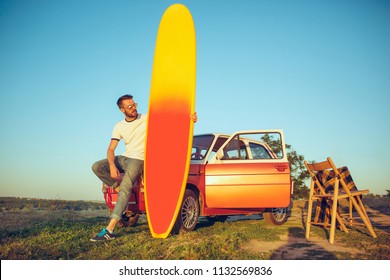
[[114, 172]]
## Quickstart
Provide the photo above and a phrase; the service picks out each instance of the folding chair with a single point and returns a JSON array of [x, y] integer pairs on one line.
[[326, 191]]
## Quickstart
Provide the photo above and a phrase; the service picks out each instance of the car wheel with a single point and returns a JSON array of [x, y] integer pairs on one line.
[[275, 216], [188, 214]]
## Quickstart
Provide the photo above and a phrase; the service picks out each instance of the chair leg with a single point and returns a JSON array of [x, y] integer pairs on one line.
[[318, 213], [360, 202], [333, 223], [341, 223], [309, 209], [350, 212], [334, 212], [327, 214], [338, 217], [363, 214]]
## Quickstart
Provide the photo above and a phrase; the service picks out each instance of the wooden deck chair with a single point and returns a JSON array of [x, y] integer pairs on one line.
[[327, 187]]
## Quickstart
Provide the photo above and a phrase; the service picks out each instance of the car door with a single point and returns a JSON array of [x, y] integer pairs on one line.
[[250, 170]]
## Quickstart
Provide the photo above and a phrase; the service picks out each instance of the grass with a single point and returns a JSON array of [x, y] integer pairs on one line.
[[40, 233], [16, 203], [69, 240]]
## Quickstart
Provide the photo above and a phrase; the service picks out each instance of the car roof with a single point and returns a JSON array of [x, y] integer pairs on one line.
[[212, 134], [227, 135]]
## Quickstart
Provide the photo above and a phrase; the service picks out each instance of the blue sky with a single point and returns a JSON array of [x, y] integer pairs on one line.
[[319, 70]]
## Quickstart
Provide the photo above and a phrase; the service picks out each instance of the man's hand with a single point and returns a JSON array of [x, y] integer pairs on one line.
[[194, 117], [114, 172]]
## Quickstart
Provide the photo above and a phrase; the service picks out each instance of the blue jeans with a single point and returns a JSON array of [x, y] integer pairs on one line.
[[132, 169]]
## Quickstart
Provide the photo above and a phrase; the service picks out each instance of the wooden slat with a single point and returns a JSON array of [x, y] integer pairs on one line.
[[318, 166]]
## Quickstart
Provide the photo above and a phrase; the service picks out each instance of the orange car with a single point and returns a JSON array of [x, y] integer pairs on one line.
[[242, 174]]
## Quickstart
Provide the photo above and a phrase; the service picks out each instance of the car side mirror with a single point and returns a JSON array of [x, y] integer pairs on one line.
[[220, 154]]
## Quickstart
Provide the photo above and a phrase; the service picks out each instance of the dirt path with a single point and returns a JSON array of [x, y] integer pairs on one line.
[[294, 245]]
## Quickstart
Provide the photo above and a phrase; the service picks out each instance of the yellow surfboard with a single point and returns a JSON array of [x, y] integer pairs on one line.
[[170, 128]]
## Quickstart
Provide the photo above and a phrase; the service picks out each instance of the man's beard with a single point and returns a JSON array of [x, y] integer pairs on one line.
[[133, 114]]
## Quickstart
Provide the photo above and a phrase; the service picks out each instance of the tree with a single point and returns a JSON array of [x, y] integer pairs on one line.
[[299, 173]]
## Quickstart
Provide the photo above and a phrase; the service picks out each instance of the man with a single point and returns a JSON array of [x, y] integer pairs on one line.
[[133, 132]]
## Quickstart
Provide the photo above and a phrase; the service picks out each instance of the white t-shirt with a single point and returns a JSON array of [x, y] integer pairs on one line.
[[133, 134]]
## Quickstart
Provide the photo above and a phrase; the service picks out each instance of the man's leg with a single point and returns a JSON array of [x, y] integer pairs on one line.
[[132, 171]]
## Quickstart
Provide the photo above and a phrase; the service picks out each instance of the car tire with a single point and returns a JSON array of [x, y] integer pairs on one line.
[[188, 214], [275, 216]]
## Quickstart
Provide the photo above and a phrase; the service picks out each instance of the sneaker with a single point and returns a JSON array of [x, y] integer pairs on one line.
[[104, 235]]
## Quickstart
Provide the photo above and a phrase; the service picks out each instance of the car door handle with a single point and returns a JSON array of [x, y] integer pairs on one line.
[[280, 168]]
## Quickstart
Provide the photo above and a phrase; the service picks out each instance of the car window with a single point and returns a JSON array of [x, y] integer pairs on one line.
[[259, 151], [235, 150], [261, 145], [218, 144], [267, 145], [200, 146]]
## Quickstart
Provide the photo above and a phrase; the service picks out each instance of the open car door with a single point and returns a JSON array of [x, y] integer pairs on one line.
[[250, 170]]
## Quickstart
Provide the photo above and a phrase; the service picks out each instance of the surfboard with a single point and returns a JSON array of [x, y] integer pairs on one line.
[[169, 127]]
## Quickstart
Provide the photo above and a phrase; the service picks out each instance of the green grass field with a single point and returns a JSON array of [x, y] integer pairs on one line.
[[61, 230]]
